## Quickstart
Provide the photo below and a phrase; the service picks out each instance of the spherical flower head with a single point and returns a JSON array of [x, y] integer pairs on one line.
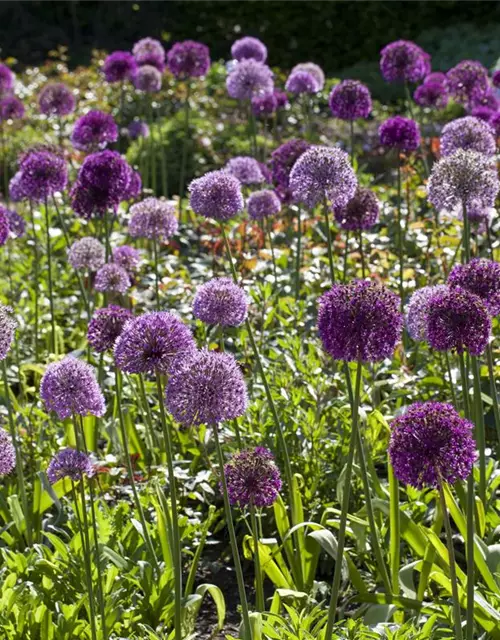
[[147, 79], [463, 178], [69, 463], [436, 76], [301, 82], [221, 302], [8, 327], [495, 78], [152, 343], [361, 212], [323, 173], [93, 131], [249, 78], [400, 133], [467, 81], [119, 66], [133, 190], [350, 100], [149, 52], [488, 99], [87, 254], [483, 113], [252, 478], [138, 129], [206, 388], [127, 257], [478, 214], [431, 94], [282, 160], [56, 99], [404, 61], [44, 173], [481, 277], [11, 108], [359, 320], [6, 80], [16, 187], [417, 310], [264, 105], [315, 70], [153, 218], [69, 387], [7, 453], [188, 59], [262, 204], [281, 98], [458, 320], [469, 134], [4, 226], [266, 172], [246, 169], [105, 327], [17, 226], [249, 48], [113, 278], [495, 124], [430, 443], [216, 195]]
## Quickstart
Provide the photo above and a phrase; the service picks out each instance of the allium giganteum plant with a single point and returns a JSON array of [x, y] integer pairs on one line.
[[249, 342]]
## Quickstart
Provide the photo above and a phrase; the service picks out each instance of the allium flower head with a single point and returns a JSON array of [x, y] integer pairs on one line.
[[127, 257], [495, 124], [361, 212], [221, 302], [69, 463], [113, 278], [93, 131], [430, 443], [469, 134], [496, 78], [119, 66], [147, 79], [16, 187], [350, 100], [249, 78], [56, 99], [282, 160], [481, 277], [436, 76], [359, 320], [11, 108], [153, 218], [69, 387], [87, 254], [264, 105], [431, 94], [400, 133], [149, 52], [206, 388], [417, 310], [138, 129], [262, 204], [4, 226], [323, 173], [281, 98], [483, 113], [315, 70], [153, 342], [246, 169], [216, 195], [249, 48], [6, 80], [7, 330], [43, 174], [134, 188], [188, 59], [7, 453], [17, 226], [467, 81], [404, 61], [477, 214], [458, 320], [488, 99], [105, 327], [252, 478], [301, 82]]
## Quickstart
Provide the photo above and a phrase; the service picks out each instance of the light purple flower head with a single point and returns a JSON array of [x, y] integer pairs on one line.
[[4, 226], [315, 70], [417, 310], [252, 478], [350, 100], [469, 134], [246, 169], [138, 129], [216, 195], [477, 214], [262, 204], [133, 190], [153, 218], [282, 160], [70, 463], [147, 79], [467, 81], [8, 327], [11, 108], [400, 133], [87, 254], [264, 105], [127, 257], [431, 94], [221, 302], [249, 78], [436, 76], [106, 325], [188, 59], [6, 80], [361, 212], [113, 278], [481, 277], [301, 82], [249, 48], [16, 187], [119, 66], [17, 226], [149, 52], [404, 61], [43, 174], [56, 99], [94, 131], [7, 454]]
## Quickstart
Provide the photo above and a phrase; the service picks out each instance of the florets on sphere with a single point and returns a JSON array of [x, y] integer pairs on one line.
[[315, 70], [93, 131], [483, 113], [400, 133], [87, 254], [436, 76], [17, 226], [188, 59], [301, 82], [481, 277], [134, 188], [417, 310], [6, 80], [127, 257], [56, 99], [246, 169], [16, 187], [11, 108], [281, 98], [262, 204], [119, 66], [138, 129], [147, 79], [404, 61], [7, 453], [216, 195], [361, 212], [264, 105], [149, 52], [282, 160], [221, 302], [70, 463], [106, 325], [249, 78], [488, 99], [113, 278], [43, 174], [467, 81], [469, 134], [252, 478], [350, 100], [4, 226], [431, 94], [249, 48], [8, 327], [153, 218]]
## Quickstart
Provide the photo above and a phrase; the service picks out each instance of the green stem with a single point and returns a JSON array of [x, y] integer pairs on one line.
[[346, 255], [452, 386], [51, 294], [182, 175], [429, 556], [493, 389], [298, 256], [157, 277], [479, 423], [259, 587], [36, 276], [363, 265], [329, 238], [351, 130], [465, 235], [273, 257], [395, 529], [400, 236], [152, 150]]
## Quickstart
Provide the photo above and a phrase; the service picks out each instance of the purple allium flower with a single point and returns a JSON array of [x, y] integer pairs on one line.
[[11, 108], [315, 70], [6, 80], [138, 129], [134, 187], [249, 48], [216, 195], [56, 99], [246, 169], [111, 277], [264, 105], [483, 113], [249, 78], [431, 442], [458, 320], [105, 327], [220, 301], [467, 81], [152, 343], [323, 173], [488, 99], [153, 218], [481, 277], [119, 66], [436, 76], [87, 254], [282, 160], [350, 100], [69, 463], [301, 82], [188, 59], [17, 226], [281, 98], [431, 94], [43, 174], [262, 204], [4, 226], [417, 310], [127, 257], [361, 212], [404, 61], [8, 327], [266, 172], [252, 478], [469, 134], [7, 453], [149, 52], [69, 387], [16, 187], [463, 178], [477, 214], [495, 78], [400, 133], [495, 124], [206, 388], [147, 79], [359, 320], [93, 131]]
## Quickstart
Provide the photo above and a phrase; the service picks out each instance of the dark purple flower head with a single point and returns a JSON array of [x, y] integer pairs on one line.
[[350, 100], [315, 70], [69, 387], [264, 105], [188, 59], [87, 254], [69, 463], [488, 99], [496, 78], [436, 76], [281, 98], [220, 301], [4, 226], [56, 99], [134, 187], [359, 320], [249, 48], [282, 160], [361, 212], [252, 478], [43, 174], [249, 78], [399, 133], [495, 124], [149, 52], [246, 169], [430, 443], [216, 195], [469, 134], [431, 94], [301, 82], [111, 277], [323, 173], [127, 257], [138, 129], [417, 311], [266, 172], [262, 204], [152, 343], [6, 80], [11, 108], [147, 79], [93, 131], [467, 81], [105, 327], [119, 66], [8, 327], [17, 226], [153, 218], [483, 113], [7, 453], [458, 320], [481, 277], [16, 187], [404, 61], [207, 387]]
